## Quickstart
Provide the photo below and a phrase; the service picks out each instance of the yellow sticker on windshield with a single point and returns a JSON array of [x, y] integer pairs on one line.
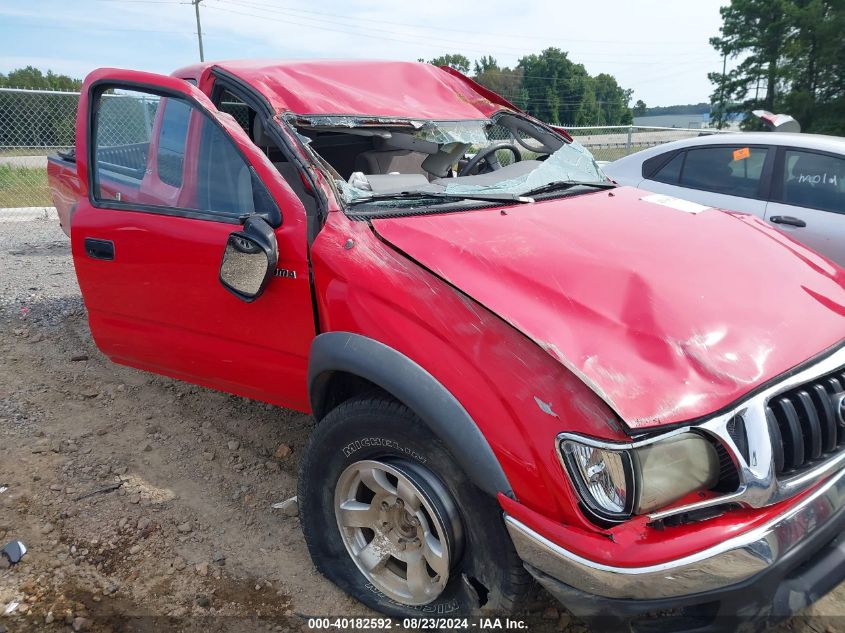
[[742, 153]]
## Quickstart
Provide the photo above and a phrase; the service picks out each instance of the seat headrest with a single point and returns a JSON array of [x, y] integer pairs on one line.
[[259, 137]]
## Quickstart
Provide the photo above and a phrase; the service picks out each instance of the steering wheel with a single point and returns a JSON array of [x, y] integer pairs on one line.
[[488, 154]]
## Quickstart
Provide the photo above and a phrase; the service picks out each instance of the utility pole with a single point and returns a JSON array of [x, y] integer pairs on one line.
[[721, 92], [196, 4]]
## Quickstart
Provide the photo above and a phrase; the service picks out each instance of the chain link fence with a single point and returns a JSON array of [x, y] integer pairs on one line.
[[33, 125], [37, 123]]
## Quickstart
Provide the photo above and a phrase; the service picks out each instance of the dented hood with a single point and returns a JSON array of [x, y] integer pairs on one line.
[[667, 310]]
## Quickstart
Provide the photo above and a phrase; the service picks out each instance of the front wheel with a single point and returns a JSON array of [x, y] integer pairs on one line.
[[390, 517]]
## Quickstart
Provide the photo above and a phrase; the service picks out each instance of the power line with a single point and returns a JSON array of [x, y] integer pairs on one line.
[[91, 27], [344, 28], [145, 1], [331, 19], [276, 7], [355, 31]]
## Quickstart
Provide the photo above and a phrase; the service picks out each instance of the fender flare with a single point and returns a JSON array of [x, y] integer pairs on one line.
[[412, 385]]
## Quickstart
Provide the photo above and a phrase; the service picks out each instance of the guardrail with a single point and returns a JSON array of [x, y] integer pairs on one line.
[[615, 141]]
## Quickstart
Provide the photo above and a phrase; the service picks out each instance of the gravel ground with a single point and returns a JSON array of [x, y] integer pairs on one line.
[[179, 534]]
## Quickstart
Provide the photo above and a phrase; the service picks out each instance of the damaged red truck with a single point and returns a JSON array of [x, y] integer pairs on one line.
[[513, 364]]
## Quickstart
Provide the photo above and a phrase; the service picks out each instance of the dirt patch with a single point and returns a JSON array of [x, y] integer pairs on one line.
[[144, 501]]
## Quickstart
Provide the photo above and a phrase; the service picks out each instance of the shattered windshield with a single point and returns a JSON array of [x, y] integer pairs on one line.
[[404, 163], [448, 132], [571, 164]]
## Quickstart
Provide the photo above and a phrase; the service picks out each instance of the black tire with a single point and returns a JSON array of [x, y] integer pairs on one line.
[[488, 576]]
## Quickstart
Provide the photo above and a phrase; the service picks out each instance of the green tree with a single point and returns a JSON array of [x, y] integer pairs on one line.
[[551, 104], [504, 81], [486, 64], [589, 110], [521, 99], [457, 61], [814, 64], [551, 87], [792, 60], [555, 86], [50, 118], [639, 108], [612, 100], [562, 92], [31, 77], [757, 30], [689, 108]]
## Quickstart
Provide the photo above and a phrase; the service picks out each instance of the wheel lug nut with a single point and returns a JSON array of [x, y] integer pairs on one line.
[[400, 503], [415, 521], [385, 505]]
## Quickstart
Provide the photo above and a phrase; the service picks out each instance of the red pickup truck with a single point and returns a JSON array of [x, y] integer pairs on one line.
[[514, 365]]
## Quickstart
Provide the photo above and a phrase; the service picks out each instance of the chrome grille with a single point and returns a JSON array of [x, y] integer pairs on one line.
[[782, 440], [806, 424]]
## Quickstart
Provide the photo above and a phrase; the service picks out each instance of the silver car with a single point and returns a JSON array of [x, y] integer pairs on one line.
[[794, 181]]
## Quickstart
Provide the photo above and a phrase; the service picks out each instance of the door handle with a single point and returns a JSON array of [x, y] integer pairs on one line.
[[788, 219], [99, 249]]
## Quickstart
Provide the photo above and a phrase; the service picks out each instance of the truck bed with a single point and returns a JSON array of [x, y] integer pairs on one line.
[[64, 186]]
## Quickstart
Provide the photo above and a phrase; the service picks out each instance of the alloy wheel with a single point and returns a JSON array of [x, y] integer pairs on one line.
[[400, 527]]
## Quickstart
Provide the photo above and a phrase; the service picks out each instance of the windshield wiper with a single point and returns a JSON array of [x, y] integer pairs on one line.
[[557, 185], [412, 195]]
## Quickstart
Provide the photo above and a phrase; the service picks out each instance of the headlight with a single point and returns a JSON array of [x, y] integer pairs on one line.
[[615, 484], [673, 468], [604, 478]]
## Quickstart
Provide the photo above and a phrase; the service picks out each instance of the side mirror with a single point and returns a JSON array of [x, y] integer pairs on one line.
[[249, 259]]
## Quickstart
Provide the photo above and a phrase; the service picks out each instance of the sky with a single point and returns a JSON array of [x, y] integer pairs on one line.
[[657, 48]]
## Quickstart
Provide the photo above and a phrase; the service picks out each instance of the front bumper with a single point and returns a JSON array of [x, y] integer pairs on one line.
[[780, 567]]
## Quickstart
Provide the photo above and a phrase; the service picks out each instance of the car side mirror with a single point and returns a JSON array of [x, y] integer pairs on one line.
[[249, 259]]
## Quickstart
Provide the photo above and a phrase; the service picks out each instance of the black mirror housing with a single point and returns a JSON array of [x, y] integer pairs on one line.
[[249, 259]]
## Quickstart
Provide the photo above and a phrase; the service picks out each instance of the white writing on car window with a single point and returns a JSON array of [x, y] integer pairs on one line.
[[818, 179]]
